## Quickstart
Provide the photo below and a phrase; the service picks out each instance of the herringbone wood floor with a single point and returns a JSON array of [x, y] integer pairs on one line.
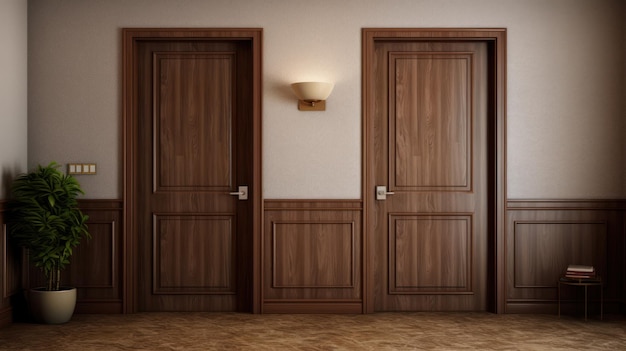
[[382, 331]]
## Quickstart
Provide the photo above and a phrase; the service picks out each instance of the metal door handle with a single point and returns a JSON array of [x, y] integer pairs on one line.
[[242, 193], [381, 192]]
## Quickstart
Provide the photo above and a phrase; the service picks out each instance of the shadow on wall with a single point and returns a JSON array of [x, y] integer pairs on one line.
[[8, 175], [284, 91], [17, 298]]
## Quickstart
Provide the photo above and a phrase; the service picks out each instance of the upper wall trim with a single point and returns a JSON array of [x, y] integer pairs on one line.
[[561, 204], [308, 205]]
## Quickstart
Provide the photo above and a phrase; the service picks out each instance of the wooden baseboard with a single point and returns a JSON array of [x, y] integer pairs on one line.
[[567, 307], [6, 317], [99, 307], [313, 307]]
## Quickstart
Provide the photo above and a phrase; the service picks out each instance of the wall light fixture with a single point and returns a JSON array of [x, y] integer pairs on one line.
[[312, 95]]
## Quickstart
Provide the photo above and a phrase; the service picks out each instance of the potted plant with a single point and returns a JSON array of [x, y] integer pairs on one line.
[[46, 220]]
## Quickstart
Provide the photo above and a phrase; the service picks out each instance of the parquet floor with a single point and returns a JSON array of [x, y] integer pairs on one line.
[[381, 331]]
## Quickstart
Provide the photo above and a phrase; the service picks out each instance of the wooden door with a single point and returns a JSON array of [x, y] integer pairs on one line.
[[194, 149], [427, 144]]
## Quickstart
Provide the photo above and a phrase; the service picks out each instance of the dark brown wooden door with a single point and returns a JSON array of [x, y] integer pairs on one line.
[[194, 148], [427, 145]]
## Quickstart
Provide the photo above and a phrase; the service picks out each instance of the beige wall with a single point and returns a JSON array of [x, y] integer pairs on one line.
[[13, 91], [565, 86]]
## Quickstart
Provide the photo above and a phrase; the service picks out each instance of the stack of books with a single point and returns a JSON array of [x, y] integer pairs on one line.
[[575, 271]]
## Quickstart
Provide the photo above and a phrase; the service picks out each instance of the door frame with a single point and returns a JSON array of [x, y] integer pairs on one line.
[[131, 36], [496, 136]]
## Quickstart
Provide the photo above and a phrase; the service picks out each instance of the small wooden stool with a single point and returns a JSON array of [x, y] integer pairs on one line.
[[597, 281]]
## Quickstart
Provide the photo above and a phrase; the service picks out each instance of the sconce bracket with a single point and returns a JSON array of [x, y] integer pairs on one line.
[[307, 106]]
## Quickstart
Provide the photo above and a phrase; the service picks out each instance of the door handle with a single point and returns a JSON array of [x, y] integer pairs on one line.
[[242, 194], [381, 192]]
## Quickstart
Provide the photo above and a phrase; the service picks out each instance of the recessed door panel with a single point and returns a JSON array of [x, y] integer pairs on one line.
[[193, 120], [430, 120], [430, 254], [193, 254]]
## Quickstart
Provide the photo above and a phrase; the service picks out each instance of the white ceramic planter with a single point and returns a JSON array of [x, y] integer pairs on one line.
[[52, 307]]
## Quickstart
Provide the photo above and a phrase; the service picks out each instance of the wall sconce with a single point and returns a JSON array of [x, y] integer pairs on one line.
[[312, 95]]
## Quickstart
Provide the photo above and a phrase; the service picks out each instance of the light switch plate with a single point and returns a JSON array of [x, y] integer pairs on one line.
[[81, 168]]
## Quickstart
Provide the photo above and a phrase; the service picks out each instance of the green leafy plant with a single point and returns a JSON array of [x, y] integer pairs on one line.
[[45, 219]]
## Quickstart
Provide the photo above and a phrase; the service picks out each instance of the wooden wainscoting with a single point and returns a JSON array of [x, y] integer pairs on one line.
[[10, 271], [312, 256], [543, 237], [96, 265]]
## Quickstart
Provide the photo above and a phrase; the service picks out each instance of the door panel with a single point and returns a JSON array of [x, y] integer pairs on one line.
[[420, 245], [429, 128], [193, 122], [430, 122], [187, 252], [194, 119]]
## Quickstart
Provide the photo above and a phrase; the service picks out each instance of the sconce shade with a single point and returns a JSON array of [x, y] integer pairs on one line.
[[312, 91]]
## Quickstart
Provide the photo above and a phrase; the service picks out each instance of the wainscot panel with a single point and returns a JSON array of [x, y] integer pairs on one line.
[[543, 237], [5, 301], [312, 257], [12, 302], [96, 266]]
